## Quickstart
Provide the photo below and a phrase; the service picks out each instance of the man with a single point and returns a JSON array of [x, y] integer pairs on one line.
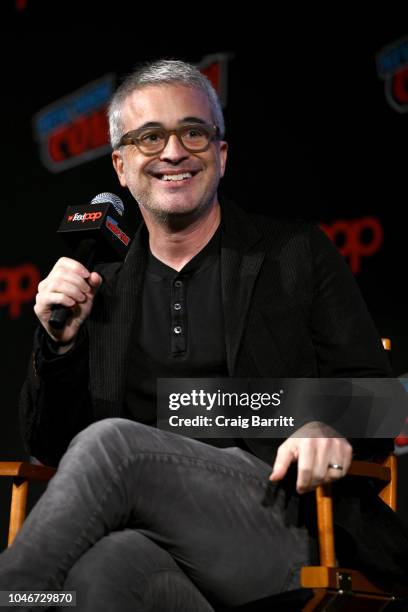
[[136, 517]]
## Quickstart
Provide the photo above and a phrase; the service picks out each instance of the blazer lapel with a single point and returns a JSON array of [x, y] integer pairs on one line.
[[240, 266], [112, 326]]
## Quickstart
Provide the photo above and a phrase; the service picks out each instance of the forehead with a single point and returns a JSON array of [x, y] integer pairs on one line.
[[166, 104]]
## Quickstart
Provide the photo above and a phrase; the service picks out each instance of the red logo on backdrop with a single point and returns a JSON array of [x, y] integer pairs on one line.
[[74, 129], [215, 68], [21, 4], [399, 90], [355, 238], [85, 135], [392, 68], [401, 440], [18, 286]]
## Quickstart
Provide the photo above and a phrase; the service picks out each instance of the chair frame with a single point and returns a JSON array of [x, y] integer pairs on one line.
[[337, 588], [21, 473], [334, 588]]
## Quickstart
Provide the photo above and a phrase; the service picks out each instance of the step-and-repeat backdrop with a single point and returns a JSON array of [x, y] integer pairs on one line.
[[317, 125]]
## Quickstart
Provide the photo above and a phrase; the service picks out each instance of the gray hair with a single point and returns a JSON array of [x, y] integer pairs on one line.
[[162, 72]]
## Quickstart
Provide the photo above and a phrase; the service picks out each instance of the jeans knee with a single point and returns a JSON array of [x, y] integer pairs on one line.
[[113, 440], [107, 429], [120, 565]]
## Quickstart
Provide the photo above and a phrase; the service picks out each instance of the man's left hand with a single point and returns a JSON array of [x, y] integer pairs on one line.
[[315, 446]]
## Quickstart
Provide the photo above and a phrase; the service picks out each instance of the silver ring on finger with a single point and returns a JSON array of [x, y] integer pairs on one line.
[[334, 466]]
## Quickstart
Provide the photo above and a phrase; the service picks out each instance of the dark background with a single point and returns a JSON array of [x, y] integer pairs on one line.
[[311, 135]]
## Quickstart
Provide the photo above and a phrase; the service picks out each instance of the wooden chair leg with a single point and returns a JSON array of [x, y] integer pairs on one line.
[[18, 507], [324, 506]]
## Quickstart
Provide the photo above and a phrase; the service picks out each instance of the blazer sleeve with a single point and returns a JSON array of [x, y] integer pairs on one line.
[[54, 401], [345, 338], [344, 335]]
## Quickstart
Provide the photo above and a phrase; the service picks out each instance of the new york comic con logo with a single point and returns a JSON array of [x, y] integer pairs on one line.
[[392, 68], [74, 129]]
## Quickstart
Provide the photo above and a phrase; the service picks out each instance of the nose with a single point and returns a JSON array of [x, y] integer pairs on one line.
[[174, 150]]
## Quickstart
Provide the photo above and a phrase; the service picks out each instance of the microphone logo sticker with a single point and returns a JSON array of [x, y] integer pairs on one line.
[[112, 225], [88, 216]]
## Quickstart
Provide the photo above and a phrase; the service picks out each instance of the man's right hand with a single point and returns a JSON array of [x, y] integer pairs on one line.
[[69, 283]]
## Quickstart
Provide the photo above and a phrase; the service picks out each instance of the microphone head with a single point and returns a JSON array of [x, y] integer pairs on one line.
[[109, 198]]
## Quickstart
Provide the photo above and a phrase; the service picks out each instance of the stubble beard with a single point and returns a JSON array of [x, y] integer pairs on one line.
[[175, 219]]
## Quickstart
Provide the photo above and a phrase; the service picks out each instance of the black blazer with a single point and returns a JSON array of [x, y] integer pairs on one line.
[[291, 309]]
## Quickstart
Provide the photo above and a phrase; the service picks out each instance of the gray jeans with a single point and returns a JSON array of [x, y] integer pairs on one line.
[[142, 519]]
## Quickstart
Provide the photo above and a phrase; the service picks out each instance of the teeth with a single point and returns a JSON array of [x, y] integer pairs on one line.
[[176, 177]]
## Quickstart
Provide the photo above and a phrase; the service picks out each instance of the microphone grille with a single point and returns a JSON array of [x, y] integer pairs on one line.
[[109, 198]]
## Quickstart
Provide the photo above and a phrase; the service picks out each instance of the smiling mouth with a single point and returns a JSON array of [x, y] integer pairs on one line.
[[175, 178]]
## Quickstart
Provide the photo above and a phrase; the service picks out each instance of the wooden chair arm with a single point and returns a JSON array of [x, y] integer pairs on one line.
[[23, 469], [385, 472], [21, 472], [371, 470]]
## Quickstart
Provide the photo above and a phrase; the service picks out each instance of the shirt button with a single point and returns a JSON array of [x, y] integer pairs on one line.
[[177, 329], [178, 283], [177, 306]]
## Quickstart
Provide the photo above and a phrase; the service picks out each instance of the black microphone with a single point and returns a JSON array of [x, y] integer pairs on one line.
[[94, 234]]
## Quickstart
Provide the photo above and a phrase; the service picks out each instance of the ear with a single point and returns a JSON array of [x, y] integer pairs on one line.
[[117, 161], [223, 152]]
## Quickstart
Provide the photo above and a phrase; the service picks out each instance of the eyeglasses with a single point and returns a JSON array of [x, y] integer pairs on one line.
[[194, 138]]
